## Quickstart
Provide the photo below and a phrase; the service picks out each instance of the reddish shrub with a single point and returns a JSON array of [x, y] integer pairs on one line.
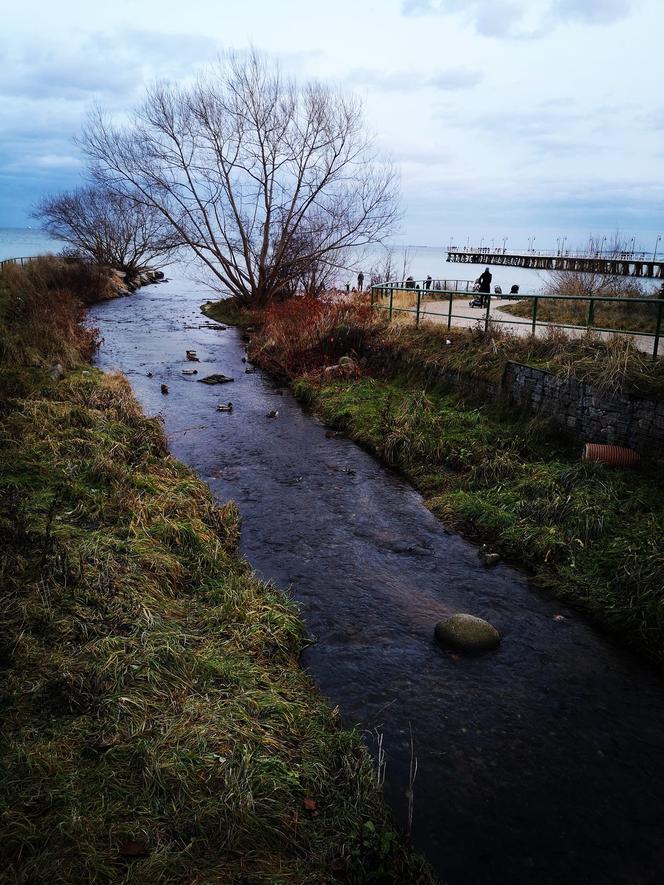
[[41, 316], [304, 334]]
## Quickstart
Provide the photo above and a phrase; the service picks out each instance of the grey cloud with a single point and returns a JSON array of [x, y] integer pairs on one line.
[[102, 65], [416, 7], [493, 18], [410, 81], [520, 19], [591, 11], [656, 119], [455, 79]]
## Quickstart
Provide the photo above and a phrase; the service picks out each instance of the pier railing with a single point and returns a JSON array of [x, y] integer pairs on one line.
[[623, 264], [394, 298], [608, 254]]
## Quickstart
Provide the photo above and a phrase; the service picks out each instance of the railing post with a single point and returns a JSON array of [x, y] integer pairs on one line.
[[417, 312], [658, 330], [535, 303], [391, 300], [449, 312], [591, 314], [488, 312]]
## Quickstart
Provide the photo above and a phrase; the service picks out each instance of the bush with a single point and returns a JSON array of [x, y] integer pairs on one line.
[[305, 334], [41, 305]]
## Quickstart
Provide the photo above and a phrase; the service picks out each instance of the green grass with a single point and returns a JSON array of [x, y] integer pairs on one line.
[[157, 726], [227, 311], [589, 534], [615, 365]]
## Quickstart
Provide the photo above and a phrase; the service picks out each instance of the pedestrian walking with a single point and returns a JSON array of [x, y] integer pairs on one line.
[[485, 286]]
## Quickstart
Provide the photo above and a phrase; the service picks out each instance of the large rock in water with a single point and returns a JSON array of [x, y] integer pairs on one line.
[[467, 633]]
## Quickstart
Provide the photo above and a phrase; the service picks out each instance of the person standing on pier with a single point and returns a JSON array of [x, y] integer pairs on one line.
[[485, 286]]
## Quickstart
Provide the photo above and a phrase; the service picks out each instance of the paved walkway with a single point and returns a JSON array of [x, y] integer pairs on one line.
[[465, 316]]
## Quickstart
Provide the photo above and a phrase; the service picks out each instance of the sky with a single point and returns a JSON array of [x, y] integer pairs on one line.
[[508, 119]]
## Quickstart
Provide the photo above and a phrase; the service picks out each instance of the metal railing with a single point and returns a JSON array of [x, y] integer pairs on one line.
[[24, 260], [383, 298], [606, 254]]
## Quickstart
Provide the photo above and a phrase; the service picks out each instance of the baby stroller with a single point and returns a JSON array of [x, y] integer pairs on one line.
[[478, 298]]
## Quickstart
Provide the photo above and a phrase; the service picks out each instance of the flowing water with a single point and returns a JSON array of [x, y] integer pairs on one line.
[[539, 763]]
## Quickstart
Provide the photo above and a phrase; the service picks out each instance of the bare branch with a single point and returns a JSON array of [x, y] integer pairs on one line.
[[266, 181]]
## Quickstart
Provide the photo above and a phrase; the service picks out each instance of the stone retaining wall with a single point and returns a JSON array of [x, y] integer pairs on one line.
[[588, 413], [585, 412]]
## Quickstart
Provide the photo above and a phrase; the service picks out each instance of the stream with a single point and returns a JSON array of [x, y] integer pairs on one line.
[[541, 762]]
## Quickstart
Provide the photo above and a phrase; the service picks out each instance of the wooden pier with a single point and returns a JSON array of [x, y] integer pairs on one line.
[[624, 264]]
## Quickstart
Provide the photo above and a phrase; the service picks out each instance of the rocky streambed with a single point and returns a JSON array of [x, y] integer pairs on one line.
[[537, 762]]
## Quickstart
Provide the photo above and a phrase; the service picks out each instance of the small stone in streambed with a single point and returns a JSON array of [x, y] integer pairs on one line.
[[490, 559], [467, 633], [487, 557], [215, 379], [164, 388], [273, 414]]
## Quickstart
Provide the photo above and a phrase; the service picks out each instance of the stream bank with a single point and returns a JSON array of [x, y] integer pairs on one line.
[[537, 763], [157, 725]]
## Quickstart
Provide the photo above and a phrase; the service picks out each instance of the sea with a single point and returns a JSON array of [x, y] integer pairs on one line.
[[419, 262], [26, 242], [423, 261]]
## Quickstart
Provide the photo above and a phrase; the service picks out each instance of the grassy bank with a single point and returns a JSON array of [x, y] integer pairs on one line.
[[156, 724], [589, 534], [638, 317], [227, 312]]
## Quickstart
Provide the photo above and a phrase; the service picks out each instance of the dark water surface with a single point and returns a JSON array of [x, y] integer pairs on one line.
[[539, 763]]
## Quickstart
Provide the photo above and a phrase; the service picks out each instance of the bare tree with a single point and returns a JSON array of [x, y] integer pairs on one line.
[[247, 166], [406, 258], [302, 270], [383, 270], [111, 228]]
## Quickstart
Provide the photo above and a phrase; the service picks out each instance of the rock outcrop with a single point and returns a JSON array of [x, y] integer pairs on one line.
[[123, 283]]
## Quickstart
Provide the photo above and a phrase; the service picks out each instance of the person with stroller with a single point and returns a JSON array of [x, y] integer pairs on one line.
[[484, 282]]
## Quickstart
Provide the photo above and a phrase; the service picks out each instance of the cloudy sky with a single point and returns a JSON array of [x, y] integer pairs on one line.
[[507, 118]]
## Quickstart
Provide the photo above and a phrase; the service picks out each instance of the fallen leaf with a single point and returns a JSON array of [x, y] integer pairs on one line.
[[310, 804]]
